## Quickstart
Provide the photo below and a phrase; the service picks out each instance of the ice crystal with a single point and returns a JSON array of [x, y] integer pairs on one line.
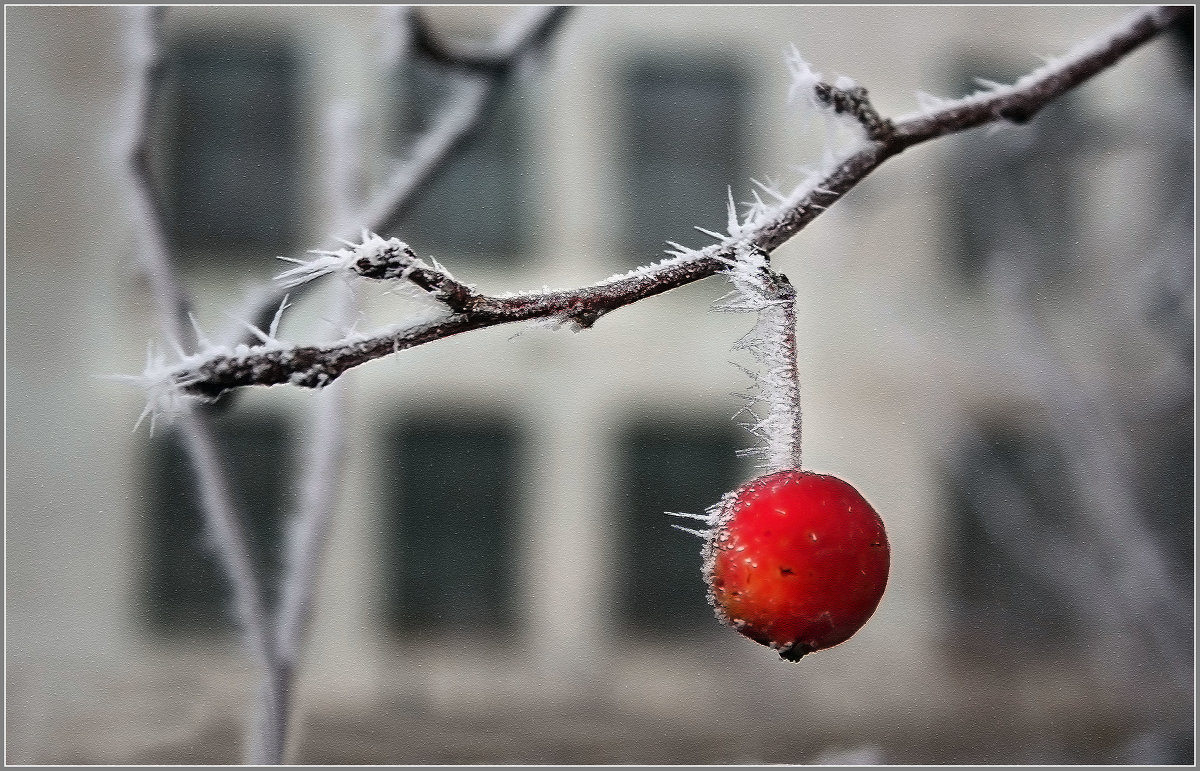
[[773, 405], [164, 389], [168, 385], [373, 255], [804, 79], [705, 518]]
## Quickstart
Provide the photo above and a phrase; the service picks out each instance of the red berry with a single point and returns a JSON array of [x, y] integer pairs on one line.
[[796, 561]]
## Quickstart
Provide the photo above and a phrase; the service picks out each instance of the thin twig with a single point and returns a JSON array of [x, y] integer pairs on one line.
[[222, 519], [764, 229], [170, 301], [496, 59], [1138, 581], [170, 298], [324, 458], [856, 102]]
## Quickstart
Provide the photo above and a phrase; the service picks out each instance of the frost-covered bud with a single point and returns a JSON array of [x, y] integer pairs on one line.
[[374, 257]]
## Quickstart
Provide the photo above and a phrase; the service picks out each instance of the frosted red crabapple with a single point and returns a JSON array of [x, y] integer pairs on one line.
[[797, 561]]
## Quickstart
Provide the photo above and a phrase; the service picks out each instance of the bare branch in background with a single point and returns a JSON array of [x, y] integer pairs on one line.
[[324, 459], [1121, 572], [276, 645], [498, 58], [525, 37], [222, 519], [764, 228], [171, 301]]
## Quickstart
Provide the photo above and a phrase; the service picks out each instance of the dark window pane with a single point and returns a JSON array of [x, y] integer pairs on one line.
[[186, 586], [451, 526], [1015, 194], [1165, 480], [1010, 500], [670, 466], [476, 208], [684, 148], [232, 135]]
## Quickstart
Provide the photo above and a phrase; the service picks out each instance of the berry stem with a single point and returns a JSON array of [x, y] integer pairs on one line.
[[781, 382], [775, 402]]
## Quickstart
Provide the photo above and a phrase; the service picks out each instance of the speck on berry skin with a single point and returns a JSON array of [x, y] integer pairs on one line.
[[796, 561]]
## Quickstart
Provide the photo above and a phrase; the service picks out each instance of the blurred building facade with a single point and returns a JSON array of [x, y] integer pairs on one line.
[[995, 338]]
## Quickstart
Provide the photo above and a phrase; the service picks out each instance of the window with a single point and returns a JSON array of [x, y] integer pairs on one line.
[[186, 589], [232, 130], [1017, 193], [1025, 560], [669, 466], [1009, 500], [684, 148], [451, 524], [475, 209]]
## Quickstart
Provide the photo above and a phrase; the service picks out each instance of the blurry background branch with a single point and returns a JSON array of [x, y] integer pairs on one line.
[[172, 304], [274, 634]]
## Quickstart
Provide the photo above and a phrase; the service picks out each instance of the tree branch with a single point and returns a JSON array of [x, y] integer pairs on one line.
[[764, 228], [275, 646], [497, 59], [1022, 100], [221, 517], [171, 300]]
